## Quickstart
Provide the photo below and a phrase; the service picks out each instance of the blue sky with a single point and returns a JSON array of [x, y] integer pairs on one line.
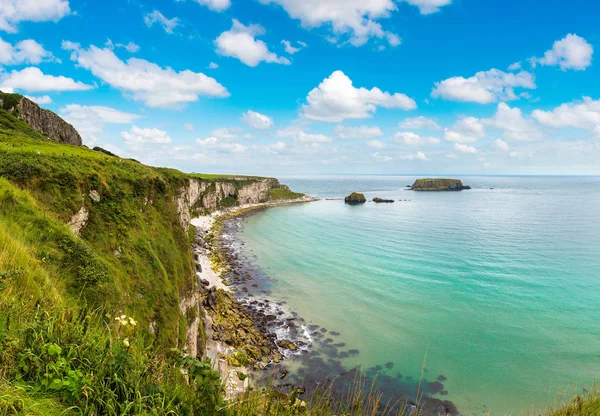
[[316, 86]]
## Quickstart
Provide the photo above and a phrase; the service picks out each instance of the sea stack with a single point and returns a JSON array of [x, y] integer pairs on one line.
[[355, 198], [438, 184]]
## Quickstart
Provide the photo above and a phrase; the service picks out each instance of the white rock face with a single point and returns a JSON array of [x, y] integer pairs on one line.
[[79, 220]]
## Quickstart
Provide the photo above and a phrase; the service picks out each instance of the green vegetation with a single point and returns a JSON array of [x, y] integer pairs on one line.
[[283, 193]]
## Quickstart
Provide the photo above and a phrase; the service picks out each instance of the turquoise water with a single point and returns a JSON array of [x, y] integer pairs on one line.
[[500, 286]]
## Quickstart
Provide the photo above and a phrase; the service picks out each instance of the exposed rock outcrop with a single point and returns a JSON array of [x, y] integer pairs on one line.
[[44, 121], [382, 201], [355, 198], [438, 184]]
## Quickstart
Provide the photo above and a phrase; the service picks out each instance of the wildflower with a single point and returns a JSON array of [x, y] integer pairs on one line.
[[132, 322], [126, 342]]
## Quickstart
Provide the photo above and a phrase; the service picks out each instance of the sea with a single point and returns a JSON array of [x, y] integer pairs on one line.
[[486, 299]]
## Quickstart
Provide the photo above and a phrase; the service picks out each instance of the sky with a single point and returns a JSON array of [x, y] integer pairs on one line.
[[297, 87]]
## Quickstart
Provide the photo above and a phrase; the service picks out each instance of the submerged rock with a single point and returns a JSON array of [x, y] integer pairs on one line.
[[355, 198], [382, 201], [438, 184]]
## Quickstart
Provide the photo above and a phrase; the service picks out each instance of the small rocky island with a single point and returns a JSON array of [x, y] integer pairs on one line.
[[382, 201], [438, 184], [355, 198]]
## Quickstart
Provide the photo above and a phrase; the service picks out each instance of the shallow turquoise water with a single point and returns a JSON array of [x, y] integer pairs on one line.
[[502, 284]]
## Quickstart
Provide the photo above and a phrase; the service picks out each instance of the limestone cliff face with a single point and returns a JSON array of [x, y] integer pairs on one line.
[[202, 196], [44, 121]]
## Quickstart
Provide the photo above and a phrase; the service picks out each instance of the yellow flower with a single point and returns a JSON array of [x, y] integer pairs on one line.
[[126, 342], [132, 322]]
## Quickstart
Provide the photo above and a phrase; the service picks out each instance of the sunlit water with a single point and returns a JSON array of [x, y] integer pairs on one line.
[[501, 286]]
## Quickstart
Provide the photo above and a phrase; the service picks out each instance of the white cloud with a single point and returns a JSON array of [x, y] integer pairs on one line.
[[14, 11], [381, 157], [214, 143], [275, 147], [484, 87], [412, 139], [463, 148], [188, 126], [376, 144], [415, 156], [27, 51], [144, 135], [227, 133], [41, 100], [336, 99], [212, 65], [239, 42], [216, 5], [362, 132], [355, 20], [583, 114], [420, 122], [429, 6], [513, 124], [145, 81], [291, 49], [32, 79], [465, 130], [257, 121], [157, 17], [515, 67], [502, 145], [571, 52], [130, 47], [312, 138]]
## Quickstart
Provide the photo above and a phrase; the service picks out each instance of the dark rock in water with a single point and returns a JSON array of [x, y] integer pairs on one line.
[[442, 378], [382, 201], [439, 184], [355, 198], [287, 344], [435, 387]]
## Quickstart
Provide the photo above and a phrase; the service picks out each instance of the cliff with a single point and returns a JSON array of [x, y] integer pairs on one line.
[[43, 121], [86, 236], [438, 184]]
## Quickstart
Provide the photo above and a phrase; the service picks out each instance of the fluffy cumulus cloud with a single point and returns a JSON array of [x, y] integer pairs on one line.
[[216, 5], [227, 133], [130, 47], [362, 132], [464, 148], [412, 139], [221, 146], [513, 124], [41, 100], [91, 120], [240, 42], [137, 135], [584, 114], [336, 99], [274, 148], [376, 144], [145, 81], [257, 121], [420, 122], [571, 52], [298, 134], [465, 130], [484, 87], [27, 51], [168, 25], [355, 20], [14, 11], [32, 79], [502, 145]]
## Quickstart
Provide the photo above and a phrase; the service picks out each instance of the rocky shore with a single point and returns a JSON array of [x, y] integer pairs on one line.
[[253, 339]]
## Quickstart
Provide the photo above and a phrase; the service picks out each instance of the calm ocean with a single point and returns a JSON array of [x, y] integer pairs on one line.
[[501, 287]]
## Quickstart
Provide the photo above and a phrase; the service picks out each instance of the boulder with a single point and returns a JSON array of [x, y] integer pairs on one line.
[[355, 198], [287, 344], [382, 201], [438, 184]]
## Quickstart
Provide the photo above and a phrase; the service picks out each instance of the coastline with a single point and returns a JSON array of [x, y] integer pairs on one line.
[[211, 266]]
